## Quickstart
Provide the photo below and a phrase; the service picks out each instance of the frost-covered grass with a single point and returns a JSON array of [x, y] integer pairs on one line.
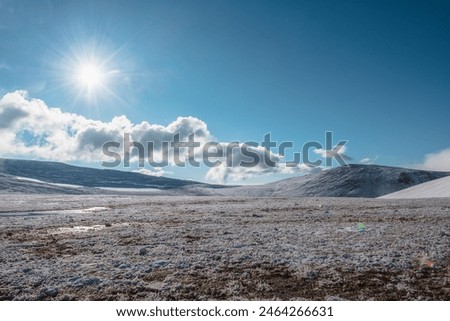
[[199, 248]]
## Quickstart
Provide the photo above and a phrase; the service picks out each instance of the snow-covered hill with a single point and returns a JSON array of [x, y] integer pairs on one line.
[[347, 181], [10, 183], [436, 188], [52, 177]]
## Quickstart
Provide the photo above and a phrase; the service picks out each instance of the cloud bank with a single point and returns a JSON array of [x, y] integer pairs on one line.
[[439, 161], [337, 150], [236, 172], [29, 128], [158, 171]]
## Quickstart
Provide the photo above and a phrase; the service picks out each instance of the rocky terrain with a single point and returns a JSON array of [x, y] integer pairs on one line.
[[92, 247]]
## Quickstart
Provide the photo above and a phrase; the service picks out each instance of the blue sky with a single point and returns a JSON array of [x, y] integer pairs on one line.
[[376, 73]]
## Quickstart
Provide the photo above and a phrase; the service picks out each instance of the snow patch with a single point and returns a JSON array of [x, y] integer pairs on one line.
[[76, 229], [435, 188], [32, 180], [124, 189], [94, 209]]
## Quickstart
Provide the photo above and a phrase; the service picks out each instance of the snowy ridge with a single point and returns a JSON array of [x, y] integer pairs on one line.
[[436, 188], [52, 177], [10, 183], [347, 181]]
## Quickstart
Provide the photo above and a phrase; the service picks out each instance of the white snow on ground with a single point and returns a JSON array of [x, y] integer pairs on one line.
[[94, 209], [436, 188], [76, 229], [66, 185], [126, 189], [27, 179], [90, 210]]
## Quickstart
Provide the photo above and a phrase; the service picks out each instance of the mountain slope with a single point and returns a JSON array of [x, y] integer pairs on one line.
[[436, 188], [346, 181], [12, 184], [59, 173]]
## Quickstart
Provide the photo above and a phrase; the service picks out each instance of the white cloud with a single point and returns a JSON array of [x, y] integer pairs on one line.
[[368, 160], [66, 136], [29, 128], [236, 172], [439, 161], [155, 171], [337, 150], [223, 174]]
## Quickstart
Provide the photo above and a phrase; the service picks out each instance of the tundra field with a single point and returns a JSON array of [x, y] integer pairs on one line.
[[122, 247]]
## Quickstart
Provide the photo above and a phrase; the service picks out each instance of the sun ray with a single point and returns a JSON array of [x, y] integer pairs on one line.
[[90, 72]]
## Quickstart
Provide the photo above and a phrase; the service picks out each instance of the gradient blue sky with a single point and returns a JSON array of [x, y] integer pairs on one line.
[[374, 72]]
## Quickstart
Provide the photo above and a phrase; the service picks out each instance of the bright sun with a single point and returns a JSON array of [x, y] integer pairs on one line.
[[90, 76], [91, 73]]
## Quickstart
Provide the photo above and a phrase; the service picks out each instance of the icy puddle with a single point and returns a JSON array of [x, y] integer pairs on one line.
[[76, 229], [82, 228], [53, 212]]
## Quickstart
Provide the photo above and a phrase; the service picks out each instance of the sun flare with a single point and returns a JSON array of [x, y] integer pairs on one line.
[[90, 73], [90, 76]]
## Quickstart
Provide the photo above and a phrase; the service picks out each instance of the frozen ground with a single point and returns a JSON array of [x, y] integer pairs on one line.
[[97, 247]]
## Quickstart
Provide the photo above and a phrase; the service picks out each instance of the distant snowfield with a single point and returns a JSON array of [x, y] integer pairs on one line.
[[27, 179], [129, 190], [436, 188], [112, 189], [90, 210]]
